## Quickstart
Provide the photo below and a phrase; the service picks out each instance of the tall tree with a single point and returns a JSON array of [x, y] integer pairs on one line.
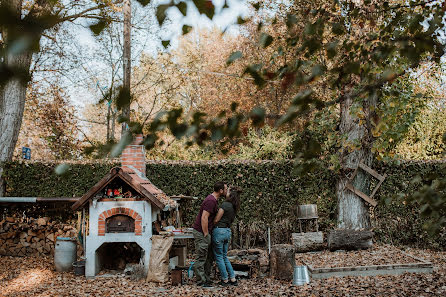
[[22, 25], [356, 48], [127, 11]]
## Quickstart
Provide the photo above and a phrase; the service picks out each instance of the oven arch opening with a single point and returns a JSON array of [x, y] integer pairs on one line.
[[120, 224]]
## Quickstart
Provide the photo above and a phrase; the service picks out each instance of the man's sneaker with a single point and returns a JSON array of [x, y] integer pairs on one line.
[[233, 283], [223, 284]]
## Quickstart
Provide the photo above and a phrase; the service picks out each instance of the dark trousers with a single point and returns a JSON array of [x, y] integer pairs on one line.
[[203, 257]]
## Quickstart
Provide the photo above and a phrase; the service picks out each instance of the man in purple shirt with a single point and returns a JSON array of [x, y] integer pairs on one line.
[[202, 234]]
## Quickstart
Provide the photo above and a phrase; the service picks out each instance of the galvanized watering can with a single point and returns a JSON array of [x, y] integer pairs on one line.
[[300, 276]]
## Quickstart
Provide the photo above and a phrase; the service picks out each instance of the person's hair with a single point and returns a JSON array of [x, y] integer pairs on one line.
[[219, 186], [234, 197]]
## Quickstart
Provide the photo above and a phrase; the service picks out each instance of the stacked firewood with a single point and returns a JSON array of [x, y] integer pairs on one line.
[[256, 259], [31, 237]]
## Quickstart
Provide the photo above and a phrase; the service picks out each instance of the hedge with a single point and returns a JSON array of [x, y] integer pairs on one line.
[[271, 192]]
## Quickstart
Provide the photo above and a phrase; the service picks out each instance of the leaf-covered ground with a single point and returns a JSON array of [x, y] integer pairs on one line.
[[376, 255], [36, 277]]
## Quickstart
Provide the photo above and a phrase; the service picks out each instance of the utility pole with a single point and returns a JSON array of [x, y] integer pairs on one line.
[[127, 10]]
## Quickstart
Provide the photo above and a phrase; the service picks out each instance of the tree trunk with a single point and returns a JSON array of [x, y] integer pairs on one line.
[[307, 242], [12, 98], [126, 60], [12, 105], [353, 213], [349, 240], [282, 261]]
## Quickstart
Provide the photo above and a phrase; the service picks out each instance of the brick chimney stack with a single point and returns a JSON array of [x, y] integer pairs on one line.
[[133, 156]]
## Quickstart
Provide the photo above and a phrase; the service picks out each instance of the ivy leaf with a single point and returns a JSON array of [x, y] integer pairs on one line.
[[186, 29], [182, 7], [265, 40], [257, 116], [6, 73], [259, 26], [352, 67], [217, 134], [205, 7], [117, 149], [149, 141], [254, 72], [161, 13], [165, 43], [337, 28], [144, 2], [331, 49], [123, 98], [291, 20], [240, 20], [98, 27], [234, 56], [62, 169]]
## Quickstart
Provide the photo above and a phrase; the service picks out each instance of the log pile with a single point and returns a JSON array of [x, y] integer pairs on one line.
[[256, 259], [31, 237]]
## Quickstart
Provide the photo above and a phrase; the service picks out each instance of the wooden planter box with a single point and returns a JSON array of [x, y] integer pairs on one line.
[[420, 266]]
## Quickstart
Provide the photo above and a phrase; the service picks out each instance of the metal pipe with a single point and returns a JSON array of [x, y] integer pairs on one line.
[[18, 199], [269, 240], [84, 235], [58, 199], [37, 199]]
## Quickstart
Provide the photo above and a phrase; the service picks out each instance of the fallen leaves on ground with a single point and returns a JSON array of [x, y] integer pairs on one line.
[[376, 255], [33, 277]]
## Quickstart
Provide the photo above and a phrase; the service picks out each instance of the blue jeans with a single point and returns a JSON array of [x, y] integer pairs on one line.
[[220, 240]]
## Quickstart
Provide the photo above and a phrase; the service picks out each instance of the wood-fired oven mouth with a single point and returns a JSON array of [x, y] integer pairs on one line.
[[119, 224]]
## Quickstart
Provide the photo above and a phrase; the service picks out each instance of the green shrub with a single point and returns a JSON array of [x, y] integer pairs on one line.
[[271, 192]]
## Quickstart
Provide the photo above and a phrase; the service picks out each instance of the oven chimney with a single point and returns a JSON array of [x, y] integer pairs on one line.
[[133, 156]]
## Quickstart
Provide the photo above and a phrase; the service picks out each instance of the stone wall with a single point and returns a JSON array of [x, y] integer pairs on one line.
[[21, 236]]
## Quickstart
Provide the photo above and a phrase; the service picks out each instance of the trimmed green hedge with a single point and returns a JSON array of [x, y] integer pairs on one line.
[[271, 192]]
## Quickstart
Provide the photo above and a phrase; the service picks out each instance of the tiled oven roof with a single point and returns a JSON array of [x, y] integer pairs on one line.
[[143, 186]]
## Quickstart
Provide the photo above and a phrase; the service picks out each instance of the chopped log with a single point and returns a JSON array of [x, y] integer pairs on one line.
[[282, 261], [307, 242], [350, 240], [23, 235], [50, 237], [41, 235], [42, 221]]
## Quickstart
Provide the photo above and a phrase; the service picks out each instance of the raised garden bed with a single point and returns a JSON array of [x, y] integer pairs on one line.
[[374, 261]]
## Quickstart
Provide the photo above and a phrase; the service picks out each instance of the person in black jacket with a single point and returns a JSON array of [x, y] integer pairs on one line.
[[221, 235]]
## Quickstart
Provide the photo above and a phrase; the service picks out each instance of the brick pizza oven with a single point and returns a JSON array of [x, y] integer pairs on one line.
[[122, 207]]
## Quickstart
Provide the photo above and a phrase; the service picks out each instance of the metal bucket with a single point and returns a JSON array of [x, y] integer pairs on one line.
[[79, 267], [300, 276], [307, 211], [64, 253]]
